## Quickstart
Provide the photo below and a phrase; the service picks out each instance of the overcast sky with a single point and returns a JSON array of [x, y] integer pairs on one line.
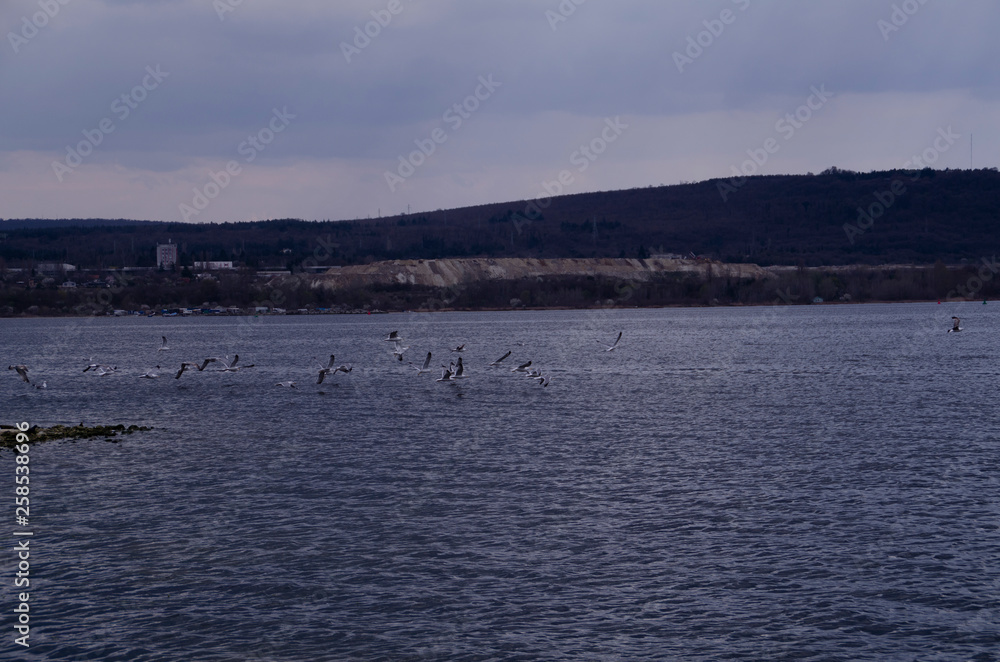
[[137, 108]]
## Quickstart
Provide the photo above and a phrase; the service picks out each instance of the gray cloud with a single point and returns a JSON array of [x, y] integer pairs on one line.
[[355, 119]]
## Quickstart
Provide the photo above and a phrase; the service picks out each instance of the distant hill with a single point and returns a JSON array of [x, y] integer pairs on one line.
[[918, 217], [48, 223]]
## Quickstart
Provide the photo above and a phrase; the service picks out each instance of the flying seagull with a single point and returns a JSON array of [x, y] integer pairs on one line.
[[150, 374], [499, 360], [459, 370], [286, 384], [615, 344], [424, 368], [324, 371], [101, 369], [460, 348], [447, 374], [329, 369], [21, 370], [393, 337], [163, 345], [231, 367], [193, 366], [398, 349], [954, 325], [522, 368]]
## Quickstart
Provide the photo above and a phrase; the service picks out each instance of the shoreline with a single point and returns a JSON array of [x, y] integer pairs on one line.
[[492, 309], [485, 285]]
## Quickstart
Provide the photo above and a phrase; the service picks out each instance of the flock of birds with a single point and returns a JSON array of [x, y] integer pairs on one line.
[[452, 373]]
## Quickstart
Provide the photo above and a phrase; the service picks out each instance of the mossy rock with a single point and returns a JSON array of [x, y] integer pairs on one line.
[[8, 435]]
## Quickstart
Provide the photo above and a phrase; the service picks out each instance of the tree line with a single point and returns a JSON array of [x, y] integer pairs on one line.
[[835, 218]]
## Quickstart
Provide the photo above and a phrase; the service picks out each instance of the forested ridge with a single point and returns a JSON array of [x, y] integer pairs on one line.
[[812, 220]]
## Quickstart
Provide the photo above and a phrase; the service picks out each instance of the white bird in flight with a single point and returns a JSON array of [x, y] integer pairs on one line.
[[393, 337], [163, 345], [447, 374], [21, 370], [329, 369], [193, 366], [288, 384], [955, 326], [425, 367], [324, 371], [232, 367], [398, 349], [460, 348], [150, 374], [499, 360], [615, 344], [522, 368]]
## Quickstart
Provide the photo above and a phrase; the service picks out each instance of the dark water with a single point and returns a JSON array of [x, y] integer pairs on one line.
[[809, 483]]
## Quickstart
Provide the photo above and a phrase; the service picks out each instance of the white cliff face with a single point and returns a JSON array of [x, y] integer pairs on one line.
[[460, 271]]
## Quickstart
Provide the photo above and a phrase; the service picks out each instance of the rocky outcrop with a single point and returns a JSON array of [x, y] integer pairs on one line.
[[462, 271], [8, 434]]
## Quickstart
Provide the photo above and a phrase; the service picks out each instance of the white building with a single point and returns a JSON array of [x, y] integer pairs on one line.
[[213, 266], [53, 267], [166, 255]]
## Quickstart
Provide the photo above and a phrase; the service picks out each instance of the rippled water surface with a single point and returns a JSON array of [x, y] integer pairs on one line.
[[809, 483]]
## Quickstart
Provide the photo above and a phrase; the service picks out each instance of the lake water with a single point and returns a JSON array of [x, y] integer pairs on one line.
[[808, 483]]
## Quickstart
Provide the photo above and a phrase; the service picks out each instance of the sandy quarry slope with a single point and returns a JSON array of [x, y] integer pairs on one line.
[[460, 271]]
